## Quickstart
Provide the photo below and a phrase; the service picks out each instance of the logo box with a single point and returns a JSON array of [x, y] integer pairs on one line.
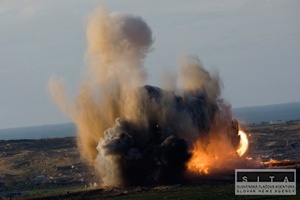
[[265, 182]]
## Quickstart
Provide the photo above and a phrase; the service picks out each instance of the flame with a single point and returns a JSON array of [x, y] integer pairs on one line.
[[218, 155], [244, 143], [199, 162]]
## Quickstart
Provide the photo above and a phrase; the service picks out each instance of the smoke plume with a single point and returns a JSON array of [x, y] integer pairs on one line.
[[137, 134]]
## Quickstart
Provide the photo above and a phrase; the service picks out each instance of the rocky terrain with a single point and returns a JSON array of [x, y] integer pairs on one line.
[[44, 163], [53, 168]]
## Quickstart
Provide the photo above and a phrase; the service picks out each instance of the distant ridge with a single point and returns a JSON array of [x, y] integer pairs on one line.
[[246, 115], [258, 114], [38, 132]]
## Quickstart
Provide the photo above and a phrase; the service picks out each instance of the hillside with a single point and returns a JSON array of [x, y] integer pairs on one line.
[[258, 114], [38, 132]]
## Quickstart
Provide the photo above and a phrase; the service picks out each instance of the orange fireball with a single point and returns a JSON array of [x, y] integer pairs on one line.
[[218, 155]]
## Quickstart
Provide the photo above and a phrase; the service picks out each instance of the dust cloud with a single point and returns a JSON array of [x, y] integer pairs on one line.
[[134, 133]]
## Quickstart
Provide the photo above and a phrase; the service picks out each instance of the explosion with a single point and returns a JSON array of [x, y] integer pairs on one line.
[[217, 156], [138, 134], [243, 143]]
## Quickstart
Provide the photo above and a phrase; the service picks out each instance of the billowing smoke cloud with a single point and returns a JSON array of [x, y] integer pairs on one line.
[[134, 133]]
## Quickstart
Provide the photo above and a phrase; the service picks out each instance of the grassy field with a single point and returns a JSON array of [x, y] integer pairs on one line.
[[201, 190]]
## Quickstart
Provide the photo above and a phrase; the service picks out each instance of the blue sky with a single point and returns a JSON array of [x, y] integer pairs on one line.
[[255, 45]]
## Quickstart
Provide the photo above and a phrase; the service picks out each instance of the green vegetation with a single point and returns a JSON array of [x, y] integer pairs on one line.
[[203, 190], [208, 190], [51, 192]]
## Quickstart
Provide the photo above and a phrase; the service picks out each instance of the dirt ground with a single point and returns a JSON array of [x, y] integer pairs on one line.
[[53, 169]]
